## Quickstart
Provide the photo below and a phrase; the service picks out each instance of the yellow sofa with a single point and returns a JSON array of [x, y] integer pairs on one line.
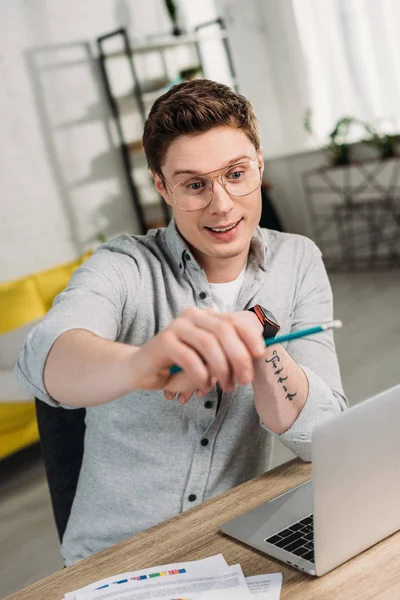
[[22, 303]]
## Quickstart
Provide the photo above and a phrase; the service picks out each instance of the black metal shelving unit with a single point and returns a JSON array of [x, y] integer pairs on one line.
[[113, 104], [128, 50], [354, 211]]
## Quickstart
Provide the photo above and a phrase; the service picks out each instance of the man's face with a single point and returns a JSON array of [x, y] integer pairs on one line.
[[210, 153]]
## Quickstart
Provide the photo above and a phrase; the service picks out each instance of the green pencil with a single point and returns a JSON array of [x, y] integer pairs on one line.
[[303, 333], [286, 338]]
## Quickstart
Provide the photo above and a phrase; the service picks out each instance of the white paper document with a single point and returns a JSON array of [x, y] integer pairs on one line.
[[207, 579], [207, 566], [228, 584], [265, 587]]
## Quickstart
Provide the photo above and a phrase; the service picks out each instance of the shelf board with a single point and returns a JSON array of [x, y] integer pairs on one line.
[[152, 96], [146, 96], [149, 200], [135, 146], [170, 42]]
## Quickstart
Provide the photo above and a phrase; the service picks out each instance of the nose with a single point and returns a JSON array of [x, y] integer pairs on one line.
[[222, 203]]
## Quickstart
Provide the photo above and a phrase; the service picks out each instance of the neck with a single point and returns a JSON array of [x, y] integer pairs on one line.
[[222, 270]]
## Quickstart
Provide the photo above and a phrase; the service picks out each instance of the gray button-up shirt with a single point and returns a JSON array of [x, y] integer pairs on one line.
[[144, 460]]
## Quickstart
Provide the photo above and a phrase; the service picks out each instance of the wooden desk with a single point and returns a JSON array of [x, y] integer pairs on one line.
[[375, 574]]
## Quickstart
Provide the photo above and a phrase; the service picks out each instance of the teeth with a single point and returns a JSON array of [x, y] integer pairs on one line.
[[222, 229]]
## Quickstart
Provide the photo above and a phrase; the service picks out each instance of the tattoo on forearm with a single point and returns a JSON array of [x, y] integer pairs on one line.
[[275, 359], [277, 371]]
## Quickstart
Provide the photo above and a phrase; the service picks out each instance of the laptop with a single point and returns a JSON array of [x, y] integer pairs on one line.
[[352, 501]]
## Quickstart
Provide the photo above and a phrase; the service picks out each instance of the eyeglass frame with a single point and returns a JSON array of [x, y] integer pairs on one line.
[[211, 180]]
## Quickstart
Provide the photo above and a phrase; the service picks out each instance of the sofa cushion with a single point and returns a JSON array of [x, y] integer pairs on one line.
[[18, 427], [52, 282], [20, 303]]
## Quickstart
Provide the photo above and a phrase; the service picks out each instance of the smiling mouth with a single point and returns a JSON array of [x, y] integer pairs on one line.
[[223, 229]]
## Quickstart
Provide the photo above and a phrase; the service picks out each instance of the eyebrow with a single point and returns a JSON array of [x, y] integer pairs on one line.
[[233, 161]]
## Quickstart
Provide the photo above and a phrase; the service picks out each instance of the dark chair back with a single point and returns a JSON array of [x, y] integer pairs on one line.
[[62, 434], [269, 216]]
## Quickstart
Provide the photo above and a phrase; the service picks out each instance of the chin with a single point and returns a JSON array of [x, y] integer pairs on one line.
[[224, 252]]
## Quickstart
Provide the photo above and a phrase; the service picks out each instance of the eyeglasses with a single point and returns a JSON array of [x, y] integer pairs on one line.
[[238, 180]]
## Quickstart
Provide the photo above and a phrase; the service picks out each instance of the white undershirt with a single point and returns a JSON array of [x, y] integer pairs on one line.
[[224, 295]]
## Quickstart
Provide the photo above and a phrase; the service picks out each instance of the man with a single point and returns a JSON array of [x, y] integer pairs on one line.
[[181, 296]]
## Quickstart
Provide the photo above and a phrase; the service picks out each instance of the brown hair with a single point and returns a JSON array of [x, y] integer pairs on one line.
[[194, 107]]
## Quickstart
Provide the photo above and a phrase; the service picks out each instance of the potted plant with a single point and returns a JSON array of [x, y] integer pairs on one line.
[[338, 148], [385, 142]]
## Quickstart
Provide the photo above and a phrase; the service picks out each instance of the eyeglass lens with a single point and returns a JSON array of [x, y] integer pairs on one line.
[[238, 180]]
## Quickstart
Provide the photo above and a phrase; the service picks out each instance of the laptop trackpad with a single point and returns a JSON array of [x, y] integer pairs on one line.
[[272, 516]]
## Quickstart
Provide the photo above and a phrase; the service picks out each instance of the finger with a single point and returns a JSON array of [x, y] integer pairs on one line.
[[199, 392], [251, 336], [203, 392], [236, 352], [206, 345], [195, 373], [184, 397]]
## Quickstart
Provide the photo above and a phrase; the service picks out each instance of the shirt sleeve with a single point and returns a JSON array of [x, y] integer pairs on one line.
[[93, 300], [316, 355]]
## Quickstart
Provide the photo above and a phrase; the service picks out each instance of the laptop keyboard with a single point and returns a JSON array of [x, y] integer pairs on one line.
[[297, 539]]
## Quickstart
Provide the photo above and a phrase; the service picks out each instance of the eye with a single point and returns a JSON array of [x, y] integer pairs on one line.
[[196, 186], [236, 175]]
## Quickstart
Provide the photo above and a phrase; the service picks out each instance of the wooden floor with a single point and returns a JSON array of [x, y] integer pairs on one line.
[[369, 354]]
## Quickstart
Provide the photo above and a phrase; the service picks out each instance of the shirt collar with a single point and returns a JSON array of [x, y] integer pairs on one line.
[[183, 256], [177, 247], [258, 248]]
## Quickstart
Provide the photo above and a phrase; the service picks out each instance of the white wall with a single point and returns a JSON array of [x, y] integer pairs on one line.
[[61, 180], [267, 55], [264, 56]]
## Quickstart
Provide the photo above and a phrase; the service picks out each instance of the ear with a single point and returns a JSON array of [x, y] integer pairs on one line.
[[159, 183], [261, 161]]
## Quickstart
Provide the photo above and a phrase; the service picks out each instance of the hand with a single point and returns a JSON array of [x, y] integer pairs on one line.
[[184, 397], [209, 347], [237, 318]]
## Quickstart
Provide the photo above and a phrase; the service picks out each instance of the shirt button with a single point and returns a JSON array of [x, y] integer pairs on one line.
[[208, 404], [203, 295], [192, 497], [204, 442]]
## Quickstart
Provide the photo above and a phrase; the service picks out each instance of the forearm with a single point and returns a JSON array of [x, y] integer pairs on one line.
[[84, 370], [280, 389]]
